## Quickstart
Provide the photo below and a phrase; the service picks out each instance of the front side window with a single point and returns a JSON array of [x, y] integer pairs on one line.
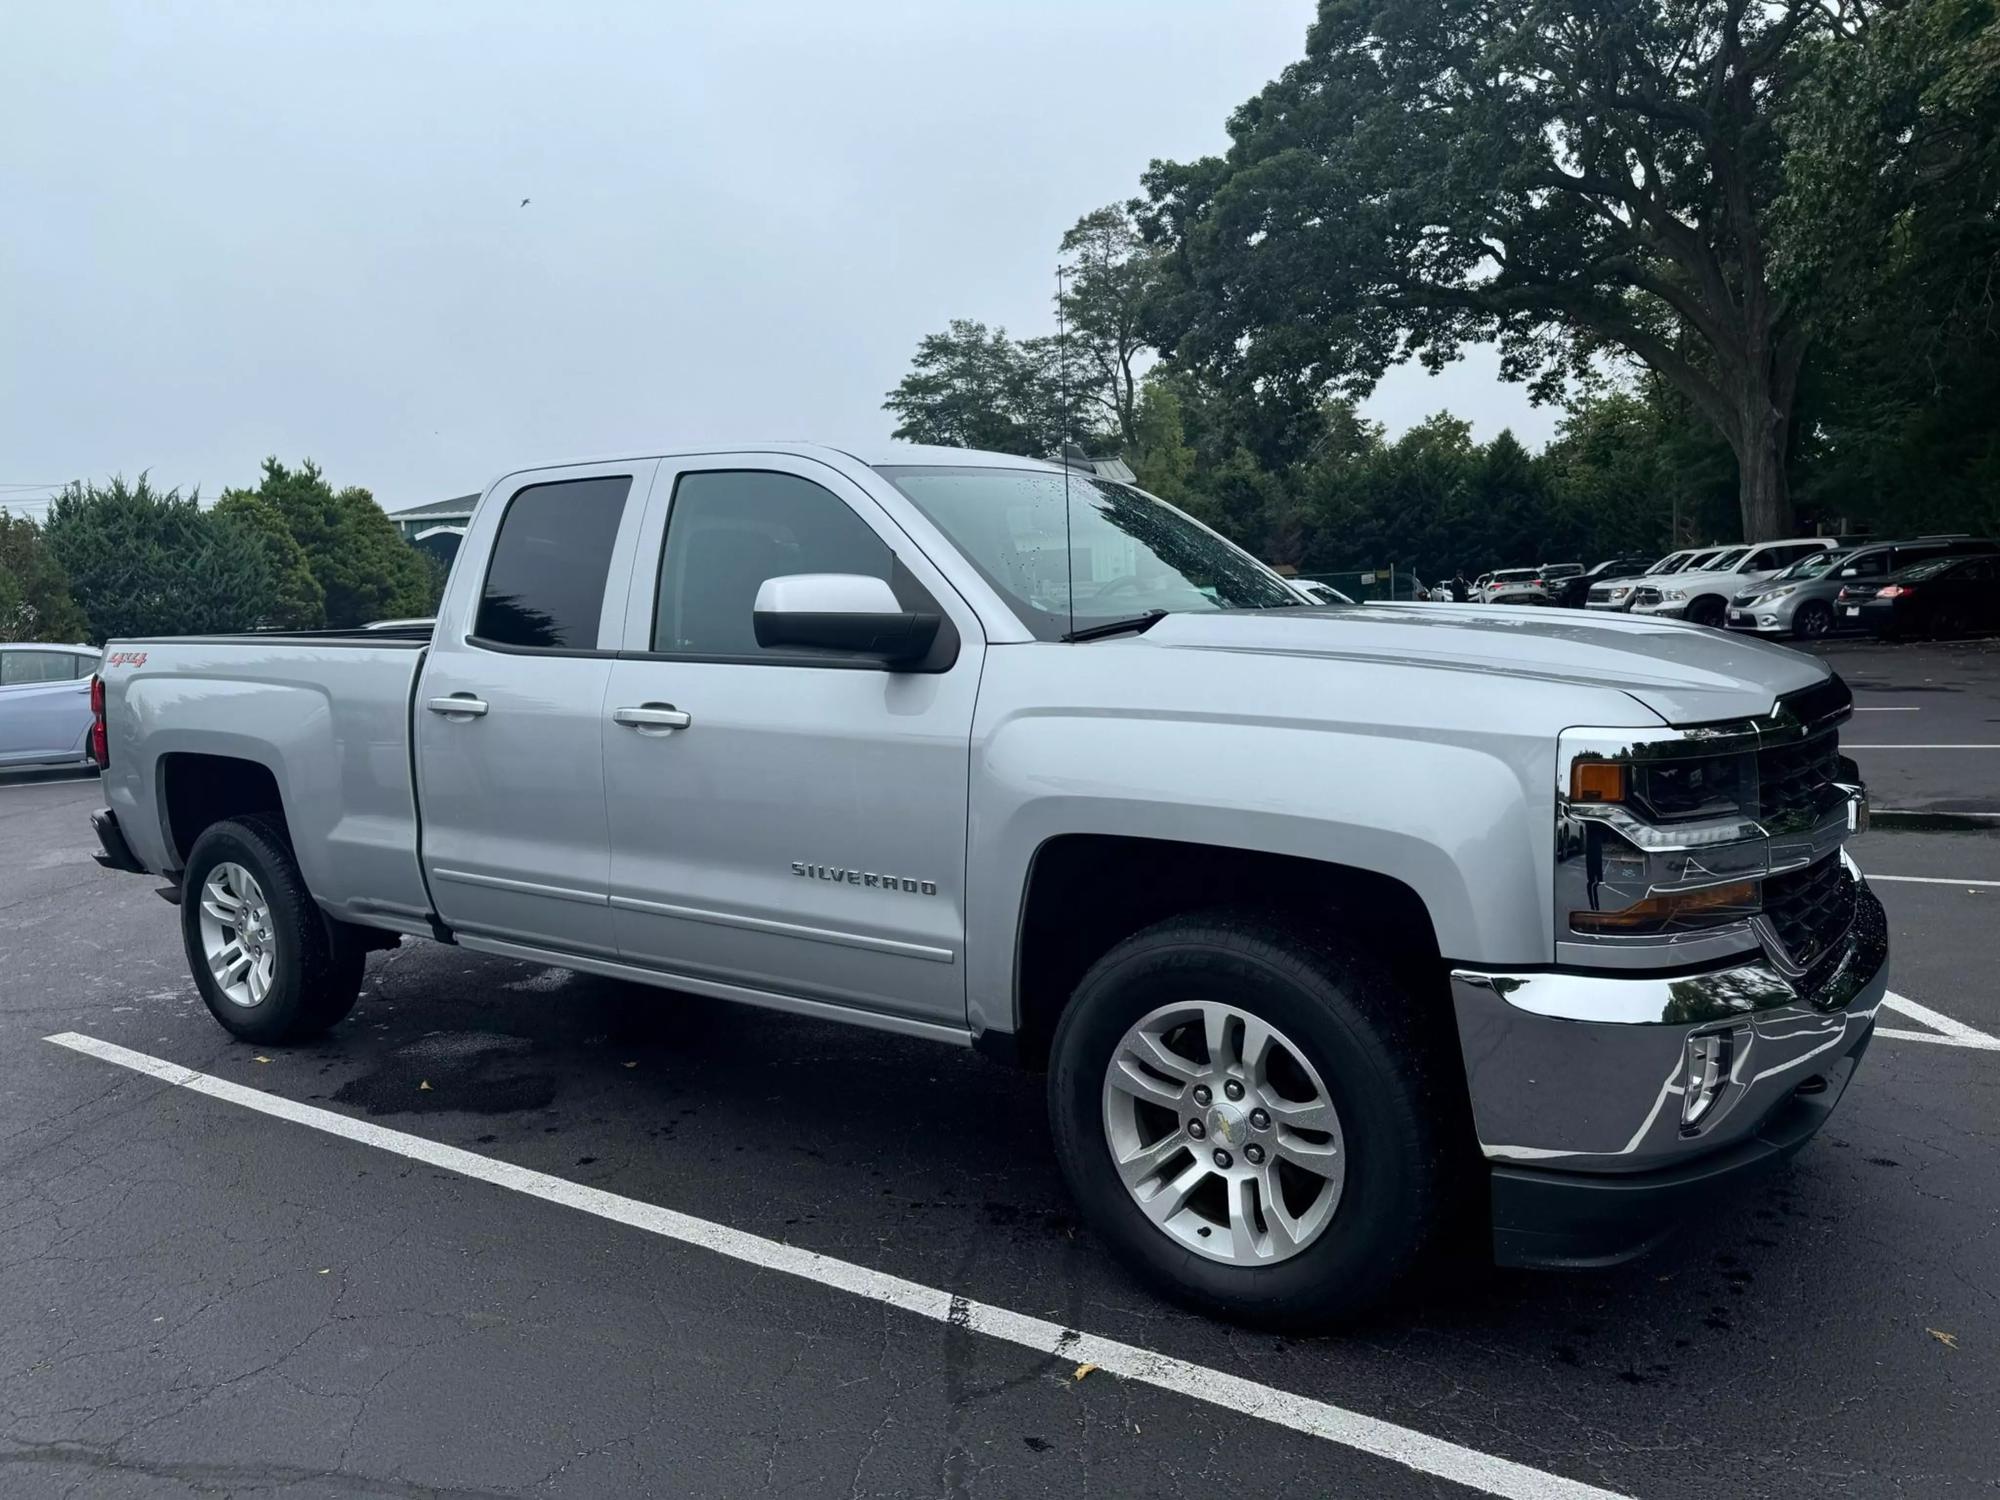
[[730, 530], [545, 585], [1867, 565], [1120, 553]]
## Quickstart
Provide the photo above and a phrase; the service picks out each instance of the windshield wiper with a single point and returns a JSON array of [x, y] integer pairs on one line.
[[1137, 624]]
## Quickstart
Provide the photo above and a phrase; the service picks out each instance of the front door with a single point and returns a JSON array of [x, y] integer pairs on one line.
[[783, 822], [510, 711]]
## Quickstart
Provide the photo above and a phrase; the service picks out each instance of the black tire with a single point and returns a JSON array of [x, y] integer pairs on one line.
[[1707, 610], [318, 966], [1363, 1036], [1813, 620]]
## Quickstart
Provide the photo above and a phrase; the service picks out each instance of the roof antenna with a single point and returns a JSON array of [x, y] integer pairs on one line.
[[1062, 448]]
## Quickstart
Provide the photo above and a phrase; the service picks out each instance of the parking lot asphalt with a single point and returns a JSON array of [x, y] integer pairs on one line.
[[1926, 729], [198, 1299]]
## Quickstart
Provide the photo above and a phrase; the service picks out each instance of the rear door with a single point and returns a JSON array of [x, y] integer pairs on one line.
[[803, 832], [44, 703], [510, 710]]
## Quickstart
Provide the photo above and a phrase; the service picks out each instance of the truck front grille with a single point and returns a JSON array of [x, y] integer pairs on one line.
[[1811, 909], [1789, 777], [1646, 596]]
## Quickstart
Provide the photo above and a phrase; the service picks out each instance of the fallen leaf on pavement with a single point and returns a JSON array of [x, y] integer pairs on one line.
[[1949, 1340], [263, 1059], [425, 1086], [633, 1064], [1083, 1370]]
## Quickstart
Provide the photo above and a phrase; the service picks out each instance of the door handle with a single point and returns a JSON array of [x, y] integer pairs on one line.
[[651, 716], [458, 704]]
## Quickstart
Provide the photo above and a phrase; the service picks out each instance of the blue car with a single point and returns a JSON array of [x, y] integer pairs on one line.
[[45, 704]]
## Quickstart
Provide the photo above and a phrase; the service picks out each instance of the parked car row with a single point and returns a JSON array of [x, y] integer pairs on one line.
[[1840, 589], [1803, 587]]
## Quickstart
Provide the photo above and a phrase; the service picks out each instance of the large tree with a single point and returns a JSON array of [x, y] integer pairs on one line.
[[974, 387], [1107, 271], [143, 561], [1568, 181], [297, 600], [35, 602], [360, 562]]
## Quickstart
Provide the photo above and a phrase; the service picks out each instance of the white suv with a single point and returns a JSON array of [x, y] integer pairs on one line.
[[1702, 594]]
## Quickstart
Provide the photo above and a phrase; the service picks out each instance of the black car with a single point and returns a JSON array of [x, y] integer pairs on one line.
[[1571, 592], [1947, 596]]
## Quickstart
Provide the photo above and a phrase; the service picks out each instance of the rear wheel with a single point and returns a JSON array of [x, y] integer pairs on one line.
[[1813, 620], [1248, 1113], [270, 966]]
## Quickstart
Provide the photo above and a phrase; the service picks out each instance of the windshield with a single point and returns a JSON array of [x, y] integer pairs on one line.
[[1123, 552], [1668, 564], [1722, 562], [1811, 566]]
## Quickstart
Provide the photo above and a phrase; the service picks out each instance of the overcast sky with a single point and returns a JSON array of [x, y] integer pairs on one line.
[[233, 230]]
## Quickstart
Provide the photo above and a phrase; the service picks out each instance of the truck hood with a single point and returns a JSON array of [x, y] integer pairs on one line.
[[1684, 673]]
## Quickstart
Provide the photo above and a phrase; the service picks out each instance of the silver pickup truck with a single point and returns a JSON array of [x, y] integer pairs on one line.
[[1331, 925]]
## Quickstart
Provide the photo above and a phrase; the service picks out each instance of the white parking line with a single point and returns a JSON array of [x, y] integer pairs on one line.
[[1402, 1445], [1920, 747], [1926, 880], [1897, 709], [1947, 1032]]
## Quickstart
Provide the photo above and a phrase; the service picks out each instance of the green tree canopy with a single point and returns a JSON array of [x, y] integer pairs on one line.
[[145, 562], [1568, 181], [360, 562], [35, 601], [297, 600], [974, 387], [1108, 271]]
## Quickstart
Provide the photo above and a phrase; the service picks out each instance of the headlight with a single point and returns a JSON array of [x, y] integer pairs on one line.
[[1620, 593], [1776, 594], [1675, 594], [1670, 791]]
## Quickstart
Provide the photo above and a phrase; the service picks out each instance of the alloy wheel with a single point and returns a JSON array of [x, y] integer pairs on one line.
[[1224, 1133], [239, 940]]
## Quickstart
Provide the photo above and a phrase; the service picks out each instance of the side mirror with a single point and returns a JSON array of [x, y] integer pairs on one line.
[[846, 612]]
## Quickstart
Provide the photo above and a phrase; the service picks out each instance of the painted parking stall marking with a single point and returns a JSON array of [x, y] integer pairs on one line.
[[1944, 1030], [1931, 880], [1402, 1445]]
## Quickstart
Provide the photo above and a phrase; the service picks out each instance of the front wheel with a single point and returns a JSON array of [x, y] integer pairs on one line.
[[269, 965], [1706, 611], [1813, 620], [1249, 1115]]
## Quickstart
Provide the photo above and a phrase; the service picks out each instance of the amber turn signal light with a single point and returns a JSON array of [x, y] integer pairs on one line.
[[1597, 781], [1716, 903]]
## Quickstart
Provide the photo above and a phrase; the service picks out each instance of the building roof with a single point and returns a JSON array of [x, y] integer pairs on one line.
[[457, 506]]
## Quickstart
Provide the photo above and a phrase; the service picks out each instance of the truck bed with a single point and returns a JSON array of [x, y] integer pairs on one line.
[[326, 713]]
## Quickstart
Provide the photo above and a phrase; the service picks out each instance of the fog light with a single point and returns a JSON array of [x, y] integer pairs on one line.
[[1709, 1056]]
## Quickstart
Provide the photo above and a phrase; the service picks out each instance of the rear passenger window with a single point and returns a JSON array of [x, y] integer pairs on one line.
[[727, 533], [20, 668], [545, 585]]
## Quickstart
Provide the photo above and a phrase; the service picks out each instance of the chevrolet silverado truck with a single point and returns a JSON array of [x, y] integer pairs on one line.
[[1332, 926]]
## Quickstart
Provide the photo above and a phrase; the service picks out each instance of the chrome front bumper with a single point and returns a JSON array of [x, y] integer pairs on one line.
[[1588, 1072]]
